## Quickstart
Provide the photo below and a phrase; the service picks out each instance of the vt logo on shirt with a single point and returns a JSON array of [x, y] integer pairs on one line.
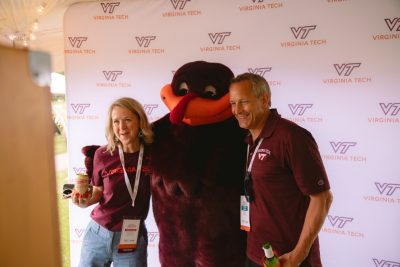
[[263, 153]]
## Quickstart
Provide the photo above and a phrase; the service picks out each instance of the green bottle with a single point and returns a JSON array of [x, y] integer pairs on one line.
[[270, 259]]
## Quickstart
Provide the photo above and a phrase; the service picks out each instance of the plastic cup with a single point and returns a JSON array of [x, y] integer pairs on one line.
[[82, 183]]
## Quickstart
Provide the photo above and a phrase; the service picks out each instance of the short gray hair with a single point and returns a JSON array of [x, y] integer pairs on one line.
[[260, 86]]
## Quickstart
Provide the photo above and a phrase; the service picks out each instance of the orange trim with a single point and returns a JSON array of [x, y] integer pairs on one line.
[[199, 110], [127, 246], [208, 120], [168, 97], [245, 228]]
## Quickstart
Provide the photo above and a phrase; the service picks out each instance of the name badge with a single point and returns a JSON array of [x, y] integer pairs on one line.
[[244, 214], [129, 235]]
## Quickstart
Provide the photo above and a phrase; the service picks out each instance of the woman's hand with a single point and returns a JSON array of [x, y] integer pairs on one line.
[[92, 196], [80, 200]]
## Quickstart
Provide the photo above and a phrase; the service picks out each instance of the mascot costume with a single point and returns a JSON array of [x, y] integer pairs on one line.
[[198, 159]]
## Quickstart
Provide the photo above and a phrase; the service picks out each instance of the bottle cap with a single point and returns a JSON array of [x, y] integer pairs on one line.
[[268, 250]]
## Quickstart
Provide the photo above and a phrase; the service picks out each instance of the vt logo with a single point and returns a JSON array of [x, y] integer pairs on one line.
[[259, 71], [339, 222], [346, 68], [299, 109], [148, 108], [144, 40], [79, 232], [393, 24], [77, 41], [79, 108], [152, 236], [302, 31], [261, 156], [387, 189], [179, 3], [79, 170], [385, 263], [393, 108], [342, 147], [109, 7], [112, 74], [218, 37]]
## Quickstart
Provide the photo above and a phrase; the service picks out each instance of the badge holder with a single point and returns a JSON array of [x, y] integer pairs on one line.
[[244, 214], [129, 235], [248, 189], [130, 226]]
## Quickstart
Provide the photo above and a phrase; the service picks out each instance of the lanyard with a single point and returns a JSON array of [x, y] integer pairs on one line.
[[254, 154], [138, 169]]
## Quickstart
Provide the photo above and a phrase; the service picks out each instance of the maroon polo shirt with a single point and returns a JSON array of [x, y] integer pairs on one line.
[[116, 202], [286, 169]]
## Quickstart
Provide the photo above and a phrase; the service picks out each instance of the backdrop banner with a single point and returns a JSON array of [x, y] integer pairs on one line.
[[333, 68]]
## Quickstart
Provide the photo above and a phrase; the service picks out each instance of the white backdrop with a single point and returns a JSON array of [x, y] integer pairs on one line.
[[333, 67]]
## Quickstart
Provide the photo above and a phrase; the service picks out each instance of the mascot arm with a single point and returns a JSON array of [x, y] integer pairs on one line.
[[88, 152], [167, 186]]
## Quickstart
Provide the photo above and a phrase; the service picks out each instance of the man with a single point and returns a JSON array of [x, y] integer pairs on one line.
[[286, 180]]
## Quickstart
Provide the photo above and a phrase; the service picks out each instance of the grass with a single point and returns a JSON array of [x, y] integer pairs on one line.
[[60, 147]]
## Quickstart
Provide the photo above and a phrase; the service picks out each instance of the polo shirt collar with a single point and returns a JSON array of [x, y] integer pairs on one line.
[[269, 126]]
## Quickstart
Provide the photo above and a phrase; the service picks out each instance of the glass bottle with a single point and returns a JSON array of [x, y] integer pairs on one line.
[[270, 259]]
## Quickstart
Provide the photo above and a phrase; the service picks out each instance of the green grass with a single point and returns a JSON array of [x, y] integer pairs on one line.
[[60, 147], [60, 144]]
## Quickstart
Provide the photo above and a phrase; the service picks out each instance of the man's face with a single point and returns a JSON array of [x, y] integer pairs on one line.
[[248, 109]]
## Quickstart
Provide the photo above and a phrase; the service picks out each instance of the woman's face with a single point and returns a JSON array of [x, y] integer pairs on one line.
[[126, 128]]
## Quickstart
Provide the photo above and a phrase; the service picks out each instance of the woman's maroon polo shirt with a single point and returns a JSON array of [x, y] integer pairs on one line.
[[286, 169]]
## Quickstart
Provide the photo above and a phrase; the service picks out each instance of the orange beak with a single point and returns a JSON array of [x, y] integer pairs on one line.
[[198, 111]]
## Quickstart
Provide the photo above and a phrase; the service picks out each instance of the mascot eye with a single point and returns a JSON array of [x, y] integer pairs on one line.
[[210, 91], [183, 89]]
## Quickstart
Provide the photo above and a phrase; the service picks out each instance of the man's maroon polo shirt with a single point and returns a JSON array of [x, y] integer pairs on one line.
[[286, 169]]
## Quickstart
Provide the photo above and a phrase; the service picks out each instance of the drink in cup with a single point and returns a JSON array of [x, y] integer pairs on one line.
[[82, 185]]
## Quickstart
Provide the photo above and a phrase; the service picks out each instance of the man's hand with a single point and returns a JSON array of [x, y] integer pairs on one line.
[[287, 260]]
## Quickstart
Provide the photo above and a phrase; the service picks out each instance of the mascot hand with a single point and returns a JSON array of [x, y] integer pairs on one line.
[[89, 151], [174, 187]]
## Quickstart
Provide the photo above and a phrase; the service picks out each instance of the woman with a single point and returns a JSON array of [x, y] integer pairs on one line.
[[121, 191]]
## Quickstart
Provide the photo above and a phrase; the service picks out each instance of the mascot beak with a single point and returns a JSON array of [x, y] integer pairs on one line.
[[178, 112], [194, 110]]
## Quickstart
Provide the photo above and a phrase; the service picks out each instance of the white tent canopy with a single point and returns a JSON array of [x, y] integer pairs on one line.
[[57, 84], [36, 24]]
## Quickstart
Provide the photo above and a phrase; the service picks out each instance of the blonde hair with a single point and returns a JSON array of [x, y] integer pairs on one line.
[[145, 131]]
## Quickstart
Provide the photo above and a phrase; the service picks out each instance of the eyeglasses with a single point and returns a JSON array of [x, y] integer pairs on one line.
[[248, 187]]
